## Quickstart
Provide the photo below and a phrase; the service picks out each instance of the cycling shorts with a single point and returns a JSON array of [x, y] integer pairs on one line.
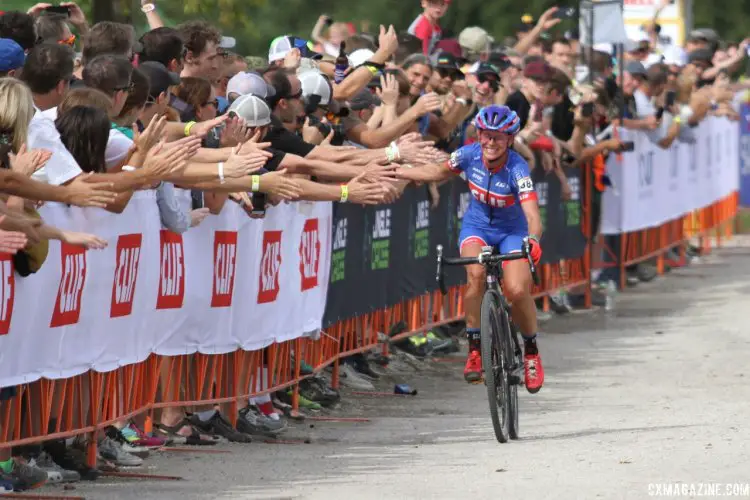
[[506, 240]]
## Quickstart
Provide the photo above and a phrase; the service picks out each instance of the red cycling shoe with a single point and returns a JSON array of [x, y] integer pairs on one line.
[[473, 369], [533, 372]]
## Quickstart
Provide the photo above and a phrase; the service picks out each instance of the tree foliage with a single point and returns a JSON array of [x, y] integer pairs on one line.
[[254, 23]]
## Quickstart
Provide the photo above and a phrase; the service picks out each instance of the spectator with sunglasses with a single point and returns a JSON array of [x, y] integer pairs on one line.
[[418, 70]]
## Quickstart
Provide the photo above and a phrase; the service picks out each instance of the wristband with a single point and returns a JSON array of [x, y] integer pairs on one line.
[[222, 180], [677, 120], [149, 7], [256, 183], [344, 193], [188, 127], [462, 101], [373, 70]]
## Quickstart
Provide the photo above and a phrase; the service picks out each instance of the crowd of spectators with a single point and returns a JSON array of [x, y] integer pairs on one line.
[[91, 114]]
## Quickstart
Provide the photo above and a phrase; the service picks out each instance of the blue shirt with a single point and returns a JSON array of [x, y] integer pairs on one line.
[[496, 195]]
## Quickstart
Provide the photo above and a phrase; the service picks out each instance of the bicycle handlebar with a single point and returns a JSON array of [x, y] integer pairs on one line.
[[484, 259]]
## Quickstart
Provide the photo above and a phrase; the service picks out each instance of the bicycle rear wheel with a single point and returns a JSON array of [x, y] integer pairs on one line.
[[494, 366]]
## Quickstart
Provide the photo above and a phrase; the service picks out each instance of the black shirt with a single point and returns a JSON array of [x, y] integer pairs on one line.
[[563, 117], [274, 162], [288, 142], [518, 103]]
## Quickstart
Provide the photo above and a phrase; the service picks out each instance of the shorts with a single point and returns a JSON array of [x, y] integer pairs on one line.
[[506, 240]]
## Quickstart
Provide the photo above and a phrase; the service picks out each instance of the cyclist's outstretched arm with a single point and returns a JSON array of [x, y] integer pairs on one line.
[[531, 211], [429, 173]]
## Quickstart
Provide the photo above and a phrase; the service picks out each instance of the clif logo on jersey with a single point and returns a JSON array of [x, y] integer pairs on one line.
[[126, 274], [72, 280], [309, 253], [7, 292], [171, 271], [270, 264], [225, 261]]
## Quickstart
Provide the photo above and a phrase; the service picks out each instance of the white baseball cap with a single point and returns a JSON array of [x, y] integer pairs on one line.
[[282, 45], [249, 82], [252, 109], [359, 57], [317, 86]]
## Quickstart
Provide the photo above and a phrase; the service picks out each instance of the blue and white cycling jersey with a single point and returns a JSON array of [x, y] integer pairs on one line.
[[496, 195]]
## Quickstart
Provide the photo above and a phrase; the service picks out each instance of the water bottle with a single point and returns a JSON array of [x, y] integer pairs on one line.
[[404, 389], [341, 65]]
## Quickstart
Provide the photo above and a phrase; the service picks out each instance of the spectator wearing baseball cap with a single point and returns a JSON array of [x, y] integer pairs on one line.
[[160, 81], [475, 42], [12, 57], [283, 45], [249, 83], [446, 71], [487, 83], [537, 73], [525, 26]]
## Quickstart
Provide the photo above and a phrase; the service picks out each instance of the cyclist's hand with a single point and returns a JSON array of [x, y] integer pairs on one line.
[[535, 249]]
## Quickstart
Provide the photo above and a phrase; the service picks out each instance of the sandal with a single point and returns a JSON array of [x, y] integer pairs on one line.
[[194, 439]]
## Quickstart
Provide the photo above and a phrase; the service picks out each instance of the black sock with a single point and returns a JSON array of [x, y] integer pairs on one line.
[[475, 343], [529, 344]]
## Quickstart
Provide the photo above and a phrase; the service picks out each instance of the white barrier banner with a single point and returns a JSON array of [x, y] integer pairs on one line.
[[230, 283], [654, 185]]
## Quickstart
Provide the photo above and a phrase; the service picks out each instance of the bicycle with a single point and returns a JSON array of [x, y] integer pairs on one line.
[[502, 356]]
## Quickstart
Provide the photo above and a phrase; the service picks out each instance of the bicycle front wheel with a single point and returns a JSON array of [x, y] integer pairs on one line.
[[494, 366]]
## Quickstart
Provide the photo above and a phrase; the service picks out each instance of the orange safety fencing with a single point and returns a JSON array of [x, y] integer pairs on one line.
[[85, 404]]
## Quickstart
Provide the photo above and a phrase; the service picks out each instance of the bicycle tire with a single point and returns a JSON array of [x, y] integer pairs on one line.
[[516, 363], [493, 364]]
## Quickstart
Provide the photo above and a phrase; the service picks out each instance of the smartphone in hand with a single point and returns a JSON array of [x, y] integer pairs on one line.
[[57, 10]]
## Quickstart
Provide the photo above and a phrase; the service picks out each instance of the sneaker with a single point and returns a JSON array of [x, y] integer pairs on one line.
[[286, 397], [117, 435], [7, 484], [559, 304], [112, 450], [543, 316], [360, 364], [317, 391], [27, 476], [350, 378], [219, 425], [253, 421], [473, 368], [55, 473], [71, 459], [137, 437], [533, 372]]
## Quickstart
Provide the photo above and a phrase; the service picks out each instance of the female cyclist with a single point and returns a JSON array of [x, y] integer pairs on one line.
[[503, 213]]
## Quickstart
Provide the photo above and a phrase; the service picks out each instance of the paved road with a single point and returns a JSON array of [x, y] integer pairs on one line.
[[655, 393]]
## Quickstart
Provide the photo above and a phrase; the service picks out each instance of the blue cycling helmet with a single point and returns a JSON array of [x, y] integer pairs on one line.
[[498, 118]]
